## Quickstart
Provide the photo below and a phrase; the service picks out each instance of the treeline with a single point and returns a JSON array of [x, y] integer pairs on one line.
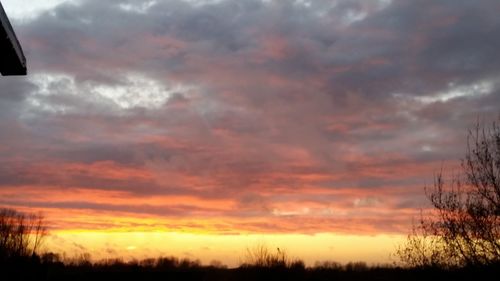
[[48, 267]]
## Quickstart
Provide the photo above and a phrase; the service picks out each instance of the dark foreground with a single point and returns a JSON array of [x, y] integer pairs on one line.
[[40, 271]]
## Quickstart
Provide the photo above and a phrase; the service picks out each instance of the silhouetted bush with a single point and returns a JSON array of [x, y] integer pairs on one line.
[[217, 264], [261, 256], [356, 266], [50, 258], [328, 265]]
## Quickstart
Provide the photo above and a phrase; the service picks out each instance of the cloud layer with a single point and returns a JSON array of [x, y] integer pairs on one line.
[[244, 116]]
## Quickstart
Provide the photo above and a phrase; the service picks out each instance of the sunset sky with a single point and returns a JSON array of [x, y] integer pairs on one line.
[[198, 128]]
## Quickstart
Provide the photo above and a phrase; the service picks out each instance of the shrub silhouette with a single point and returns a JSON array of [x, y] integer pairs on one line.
[[261, 256], [328, 265]]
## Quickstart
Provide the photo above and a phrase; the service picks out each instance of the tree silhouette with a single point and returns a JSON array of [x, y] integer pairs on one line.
[[20, 234], [464, 227]]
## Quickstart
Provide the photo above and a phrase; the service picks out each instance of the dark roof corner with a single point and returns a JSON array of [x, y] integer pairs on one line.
[[12, 60]]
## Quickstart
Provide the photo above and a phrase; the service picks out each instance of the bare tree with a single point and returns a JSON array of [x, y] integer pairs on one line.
[[20, 234], [464, 229], [422, 249]]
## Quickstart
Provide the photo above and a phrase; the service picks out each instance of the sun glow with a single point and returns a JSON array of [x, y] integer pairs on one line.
[[228, 249]]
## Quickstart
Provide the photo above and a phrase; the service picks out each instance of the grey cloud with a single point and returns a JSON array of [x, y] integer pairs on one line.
[[462, 51], [425, 46], [269, 89]]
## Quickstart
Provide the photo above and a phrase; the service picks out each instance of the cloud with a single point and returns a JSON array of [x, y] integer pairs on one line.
[[302, 114]]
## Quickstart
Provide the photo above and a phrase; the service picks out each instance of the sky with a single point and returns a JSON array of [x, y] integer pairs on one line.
[[199, 128]]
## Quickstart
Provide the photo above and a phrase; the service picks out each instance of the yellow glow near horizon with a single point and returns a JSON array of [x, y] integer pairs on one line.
[[229, 249]]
